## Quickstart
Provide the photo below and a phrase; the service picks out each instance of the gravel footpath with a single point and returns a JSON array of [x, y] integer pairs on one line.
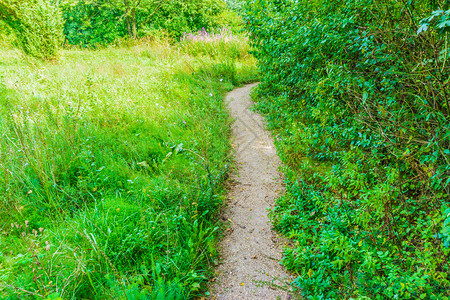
[[250, 250]]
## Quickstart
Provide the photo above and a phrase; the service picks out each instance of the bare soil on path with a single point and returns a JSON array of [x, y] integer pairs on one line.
[[250, 251]]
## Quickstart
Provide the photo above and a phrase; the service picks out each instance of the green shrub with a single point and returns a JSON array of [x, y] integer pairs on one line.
[[90, 23], [37, 25], [229, 19], [359, 102], [87, 24]]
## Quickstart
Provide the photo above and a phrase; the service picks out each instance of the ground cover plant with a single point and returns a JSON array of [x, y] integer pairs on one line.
[[111, 169], [357, 95]]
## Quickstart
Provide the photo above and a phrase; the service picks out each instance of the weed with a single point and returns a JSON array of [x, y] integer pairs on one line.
[[120, 154]]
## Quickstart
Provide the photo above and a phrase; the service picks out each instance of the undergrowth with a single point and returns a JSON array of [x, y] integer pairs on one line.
[[356, 93], [111, 170]]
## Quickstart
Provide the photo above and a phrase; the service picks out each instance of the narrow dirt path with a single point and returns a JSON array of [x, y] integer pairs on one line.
[[250, 250]]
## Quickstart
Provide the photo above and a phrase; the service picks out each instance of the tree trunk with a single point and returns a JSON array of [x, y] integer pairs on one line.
[[126, 3], [133, 25], [130, 33]]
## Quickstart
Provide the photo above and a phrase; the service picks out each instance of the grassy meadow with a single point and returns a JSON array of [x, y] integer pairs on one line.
[[112, 164]]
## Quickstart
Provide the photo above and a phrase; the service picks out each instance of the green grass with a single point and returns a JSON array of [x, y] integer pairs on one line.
[[112, 165]]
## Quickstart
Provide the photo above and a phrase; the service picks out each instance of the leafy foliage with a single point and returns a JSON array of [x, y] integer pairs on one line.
[[357, 93], [90, 23], [37, 25]]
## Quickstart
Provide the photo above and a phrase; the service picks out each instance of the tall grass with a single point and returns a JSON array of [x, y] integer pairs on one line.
[[111, 170], [219, 43]]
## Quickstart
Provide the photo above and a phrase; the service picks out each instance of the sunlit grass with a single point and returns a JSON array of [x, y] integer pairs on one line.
[[220, 43], [118, 155]]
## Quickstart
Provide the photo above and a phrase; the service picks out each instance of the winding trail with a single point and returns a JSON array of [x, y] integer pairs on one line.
[[250, 250]]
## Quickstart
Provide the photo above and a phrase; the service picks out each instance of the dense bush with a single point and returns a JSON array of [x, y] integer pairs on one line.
[[37, 25], [90, 23], [186, 16], [357, 93]]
